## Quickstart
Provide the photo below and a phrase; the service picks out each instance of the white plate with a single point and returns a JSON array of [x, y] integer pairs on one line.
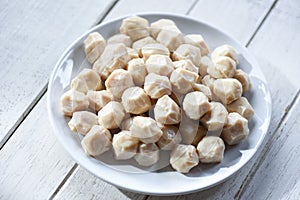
[[126, 174]]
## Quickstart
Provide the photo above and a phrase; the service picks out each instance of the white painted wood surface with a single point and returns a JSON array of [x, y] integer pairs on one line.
[[33, 34], [32, 161]]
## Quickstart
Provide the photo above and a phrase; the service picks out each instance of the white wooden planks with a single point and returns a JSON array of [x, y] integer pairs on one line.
[[33, 163], [33, 35], [238, 18], [125, 7], [278, 175]]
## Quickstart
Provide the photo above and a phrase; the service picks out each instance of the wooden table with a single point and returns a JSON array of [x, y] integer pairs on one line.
[[33, 35]]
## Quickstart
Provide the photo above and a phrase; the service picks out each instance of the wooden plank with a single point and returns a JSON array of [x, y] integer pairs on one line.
[[84, 185], [33, 163], [238, 18], [124, 8], [226, 190], [279, 172], [33, 36]]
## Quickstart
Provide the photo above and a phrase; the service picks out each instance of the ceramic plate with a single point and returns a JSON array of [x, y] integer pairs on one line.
[[160, 179]]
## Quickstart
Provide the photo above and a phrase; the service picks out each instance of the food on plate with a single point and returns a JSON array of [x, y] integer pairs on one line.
[[166, 111], [152, 90], [235, 129], [96, 141], [72, 101], [82, 121], [94, 45], [147, 154], [211, 149], [183, 158]]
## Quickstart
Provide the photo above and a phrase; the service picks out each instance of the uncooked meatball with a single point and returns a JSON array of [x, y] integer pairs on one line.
[[87, 79], [135, 100], [241, 106], [198, 41], [159, 64], [235, 129], [188, 51], [145, 129], [111, 115], [147, 155], [120, 38], [215, 118], [72, 101], [225, 50], [135, 27], [166, 111], [182, 80], [228, 90], [94, 46], [195, 105], [96, 141], [82, 121], [124, 145], [183, 158], [154, 49], [211, 149], [170, 38], [244, 79], [156, 86]]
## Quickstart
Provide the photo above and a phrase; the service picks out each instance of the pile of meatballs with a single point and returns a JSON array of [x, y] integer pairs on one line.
[[152, 88]]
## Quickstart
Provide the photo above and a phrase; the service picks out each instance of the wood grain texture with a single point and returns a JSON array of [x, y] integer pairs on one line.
[[125, 7], [279, 171], [33, 35], [238, 18], [228, 189], [33, 163], [94, 188]]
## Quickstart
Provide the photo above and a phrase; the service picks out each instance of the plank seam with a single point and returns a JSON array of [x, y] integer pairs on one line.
[[262, 22], [192, 7], [65, 179], [107, 12], [266, 149], [30, 107]]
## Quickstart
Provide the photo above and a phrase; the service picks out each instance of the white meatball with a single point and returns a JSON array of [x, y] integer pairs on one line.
[[124, 145], [211, 149], [195, 105], [198, 41], [186, 64], [139, 44], [111, 115], [145, 129], [87, 79], [235, 129], [154, 49], [156, 86], [82, 121], [170, 38], [162, 24], [72, 101], [225, 50], [114, 57], [98, 99], [137, 69], [120, 38], [223, 67], [132, 53], [170, 138], [159, 64], [203, 88], [147, 155], [96, 141], [118, 82], [166, 111], [135, 100], [183, 158], [94, 46], [244, 79], [188, 51], [214, 119], [136, 27], [228, 90], [182, 80], [241, 106]]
